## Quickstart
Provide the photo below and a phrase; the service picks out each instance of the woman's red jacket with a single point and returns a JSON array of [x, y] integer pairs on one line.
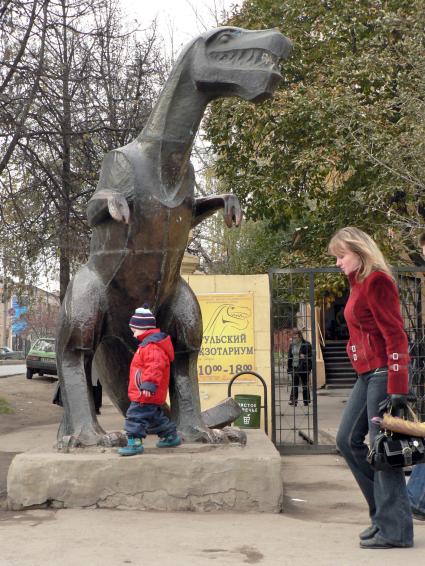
[[377, 336]]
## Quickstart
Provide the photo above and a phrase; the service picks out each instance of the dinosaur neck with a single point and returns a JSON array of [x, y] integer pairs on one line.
[[172, 126]]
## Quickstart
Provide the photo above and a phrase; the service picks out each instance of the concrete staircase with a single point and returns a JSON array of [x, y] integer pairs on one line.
[[338, 368]]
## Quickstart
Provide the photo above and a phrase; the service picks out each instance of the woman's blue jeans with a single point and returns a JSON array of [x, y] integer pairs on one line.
[[416, 488], [384, 491]]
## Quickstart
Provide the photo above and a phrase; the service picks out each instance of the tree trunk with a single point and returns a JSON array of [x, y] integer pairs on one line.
[[64, 263]]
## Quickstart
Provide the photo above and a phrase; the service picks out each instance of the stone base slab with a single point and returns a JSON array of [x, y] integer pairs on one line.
[[191, 477]]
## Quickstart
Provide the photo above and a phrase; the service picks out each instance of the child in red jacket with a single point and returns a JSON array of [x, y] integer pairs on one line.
[[148, 385]]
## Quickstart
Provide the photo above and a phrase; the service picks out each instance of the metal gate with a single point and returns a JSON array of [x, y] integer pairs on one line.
[[298, 299]]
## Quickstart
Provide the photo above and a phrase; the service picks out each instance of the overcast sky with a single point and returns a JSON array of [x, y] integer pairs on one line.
[[186, 18]]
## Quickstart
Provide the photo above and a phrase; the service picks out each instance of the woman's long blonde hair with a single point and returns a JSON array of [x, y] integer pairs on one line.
[[362, 244]]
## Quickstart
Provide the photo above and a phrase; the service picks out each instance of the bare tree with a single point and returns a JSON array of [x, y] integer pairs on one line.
[[95, 91], [41, 317], [23, 26]]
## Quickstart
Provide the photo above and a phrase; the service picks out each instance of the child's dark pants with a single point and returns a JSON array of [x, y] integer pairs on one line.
[[145, 418]]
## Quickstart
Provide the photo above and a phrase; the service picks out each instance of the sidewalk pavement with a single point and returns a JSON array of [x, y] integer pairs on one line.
[[10, 369], [330, 404], [323, 514]]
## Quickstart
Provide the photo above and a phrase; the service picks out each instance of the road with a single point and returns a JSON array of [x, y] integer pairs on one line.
[[323, 510]]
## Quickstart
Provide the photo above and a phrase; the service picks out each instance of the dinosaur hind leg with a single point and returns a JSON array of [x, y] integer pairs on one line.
[[181, 318], [78, 334]]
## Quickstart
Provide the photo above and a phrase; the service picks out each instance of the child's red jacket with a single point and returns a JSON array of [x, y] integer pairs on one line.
[[377, 336], [150, 367]]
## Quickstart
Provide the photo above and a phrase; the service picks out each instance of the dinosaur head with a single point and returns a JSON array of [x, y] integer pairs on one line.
[[230, 61]]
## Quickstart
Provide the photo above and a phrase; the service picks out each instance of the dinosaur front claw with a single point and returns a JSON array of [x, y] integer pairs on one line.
[[118, 208], [232, 210]]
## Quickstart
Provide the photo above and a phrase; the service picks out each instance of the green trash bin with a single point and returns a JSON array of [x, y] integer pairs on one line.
[[251, 411]]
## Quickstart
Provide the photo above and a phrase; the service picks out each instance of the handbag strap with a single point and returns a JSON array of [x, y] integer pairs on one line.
[[412, 414], [409, 411]]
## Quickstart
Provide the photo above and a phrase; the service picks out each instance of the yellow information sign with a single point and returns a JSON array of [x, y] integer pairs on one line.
[[228, 342]]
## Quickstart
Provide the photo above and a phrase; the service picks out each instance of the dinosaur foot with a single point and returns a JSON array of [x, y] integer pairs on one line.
[[106, 440], [233, 434], [213, 435]]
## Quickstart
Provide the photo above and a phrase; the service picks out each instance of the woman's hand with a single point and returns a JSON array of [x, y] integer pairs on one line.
[[398, 401], [393, 404]]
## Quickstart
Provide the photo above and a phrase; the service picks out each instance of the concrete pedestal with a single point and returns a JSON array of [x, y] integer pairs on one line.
[[191, 477]]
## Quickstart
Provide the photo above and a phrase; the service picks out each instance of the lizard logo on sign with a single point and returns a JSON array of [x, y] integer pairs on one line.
[[228, 340]]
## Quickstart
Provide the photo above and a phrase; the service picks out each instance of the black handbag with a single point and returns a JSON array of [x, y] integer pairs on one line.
[[392, 450], [395, 450]]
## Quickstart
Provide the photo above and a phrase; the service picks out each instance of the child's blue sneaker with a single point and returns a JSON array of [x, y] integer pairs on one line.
[[169, 441], [134, 447]]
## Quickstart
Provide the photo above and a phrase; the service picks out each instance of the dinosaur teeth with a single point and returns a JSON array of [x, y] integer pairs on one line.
[[248, 57]]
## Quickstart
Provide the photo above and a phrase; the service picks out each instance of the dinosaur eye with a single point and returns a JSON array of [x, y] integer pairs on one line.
[[225, 37]]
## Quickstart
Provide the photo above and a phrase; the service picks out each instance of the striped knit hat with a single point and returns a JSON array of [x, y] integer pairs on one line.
[[142, 319]]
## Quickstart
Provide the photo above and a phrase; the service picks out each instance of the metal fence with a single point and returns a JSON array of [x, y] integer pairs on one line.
[[411, 284], [297, 295]]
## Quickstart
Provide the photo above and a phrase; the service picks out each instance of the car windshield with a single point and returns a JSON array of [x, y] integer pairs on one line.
[[42, 345]]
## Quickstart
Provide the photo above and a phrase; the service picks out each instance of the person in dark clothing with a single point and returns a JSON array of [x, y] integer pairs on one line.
[[299, 366], [97, 397]]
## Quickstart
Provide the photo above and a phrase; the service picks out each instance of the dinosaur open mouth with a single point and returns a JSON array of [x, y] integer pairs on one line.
[[238, 315], [258, 58]]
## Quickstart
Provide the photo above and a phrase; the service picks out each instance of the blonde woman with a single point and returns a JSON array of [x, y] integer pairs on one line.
[[378, 351]]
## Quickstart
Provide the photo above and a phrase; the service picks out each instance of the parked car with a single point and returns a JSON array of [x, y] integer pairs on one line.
[[9, 354], [41, 358]]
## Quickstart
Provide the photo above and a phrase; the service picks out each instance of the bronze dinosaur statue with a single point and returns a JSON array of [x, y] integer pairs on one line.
[[141, 214]]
